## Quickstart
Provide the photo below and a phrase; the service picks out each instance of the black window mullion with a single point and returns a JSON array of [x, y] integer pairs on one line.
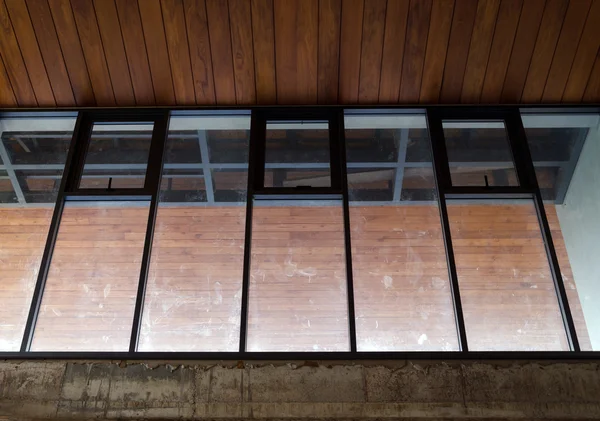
[[153, 181], [441, 171]]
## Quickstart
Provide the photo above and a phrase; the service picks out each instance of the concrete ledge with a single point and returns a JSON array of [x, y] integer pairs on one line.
[[393, 390]]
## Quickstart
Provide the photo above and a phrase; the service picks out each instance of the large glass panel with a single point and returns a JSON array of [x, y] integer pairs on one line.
[[574, 219], [89, 298], [297, 297], [297, 154], [117, 156], [193, 297], [507, 291], [401, 290], [479, 154], [40, 142]]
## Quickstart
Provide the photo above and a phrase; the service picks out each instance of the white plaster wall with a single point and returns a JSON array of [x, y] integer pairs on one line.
[[579, 219]]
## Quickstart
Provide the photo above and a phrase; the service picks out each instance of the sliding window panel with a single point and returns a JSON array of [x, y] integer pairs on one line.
[[89, 299], [193, 297], [402, 294], [38, 143], [297, 297], [508, 295], [479, 153], [117, 156]]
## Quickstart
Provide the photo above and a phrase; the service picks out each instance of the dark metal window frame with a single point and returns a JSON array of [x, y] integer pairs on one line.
[[528, 188]]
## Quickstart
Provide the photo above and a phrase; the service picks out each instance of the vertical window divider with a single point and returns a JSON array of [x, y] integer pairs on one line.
[[442, 182], [80, 134], [257, 132], [152, 182], [338, 135]]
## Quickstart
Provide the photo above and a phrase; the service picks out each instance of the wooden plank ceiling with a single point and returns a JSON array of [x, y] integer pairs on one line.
[[57, 53]]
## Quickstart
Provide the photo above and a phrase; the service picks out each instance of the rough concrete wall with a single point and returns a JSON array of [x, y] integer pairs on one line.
[[398, 390]]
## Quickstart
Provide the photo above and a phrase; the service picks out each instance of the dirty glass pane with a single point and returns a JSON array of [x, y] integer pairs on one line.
[[479, 154], [39, 141], [401, 291], [297, 297], [193, 297], [117, 156], [507, 291], [89, 298]]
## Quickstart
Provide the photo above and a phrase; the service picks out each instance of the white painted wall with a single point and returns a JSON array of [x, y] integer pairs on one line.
[[579, 218]]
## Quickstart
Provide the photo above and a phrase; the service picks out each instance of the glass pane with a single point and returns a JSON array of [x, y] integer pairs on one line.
[[479, 154], [301, 144], [372, 145], [89, 299], [508, 296], [228, 146], [297, 298], [555, 152], [26, 147], [576, 233], [193, 297], [24, 230], [401, 290], [117, 156], [7, 192]]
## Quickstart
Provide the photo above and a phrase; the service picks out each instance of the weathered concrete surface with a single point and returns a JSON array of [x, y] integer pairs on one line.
[[396, 390]]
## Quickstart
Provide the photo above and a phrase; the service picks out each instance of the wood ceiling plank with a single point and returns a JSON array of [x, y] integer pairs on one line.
[[479, 50], [458, 50], [13, 61], [296, 50], [263, 38], [135, 50], [502, 45], [592, 90], [307, 40], [437, 47], [419, 17], [330, 12], [520, 57], [350, 48], [179, 51], [156, 48], [583, 62], [566, 48], [21, 22], [240, 13], [43, 25], [220, 46], [70, 45], [93, 51], [7, 96], [393, 51], [543, 51], [199, 43], [114, 51], [371, 51]]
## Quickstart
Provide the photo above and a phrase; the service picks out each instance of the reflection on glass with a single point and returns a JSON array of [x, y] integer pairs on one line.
[[297, 143], [555, 152], [371, 184], [576, 232], [24, 230], [89, 298], [297, 297], [193, 297], [506, 287], [7, 192], [117, 156], [479, 154]]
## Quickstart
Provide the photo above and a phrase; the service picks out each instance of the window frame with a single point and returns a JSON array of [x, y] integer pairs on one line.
[[528, 188]]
